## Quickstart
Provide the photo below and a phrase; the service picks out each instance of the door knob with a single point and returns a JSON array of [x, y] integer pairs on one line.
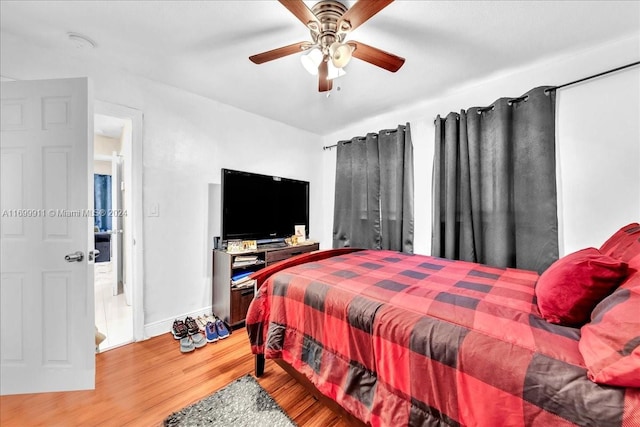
[[74, 257]]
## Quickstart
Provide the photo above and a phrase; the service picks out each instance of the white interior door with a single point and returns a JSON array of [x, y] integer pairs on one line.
[[46, 301], [116, 219]]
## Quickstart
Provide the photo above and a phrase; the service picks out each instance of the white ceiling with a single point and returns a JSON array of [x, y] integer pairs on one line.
[[203, 47], [108, 126]]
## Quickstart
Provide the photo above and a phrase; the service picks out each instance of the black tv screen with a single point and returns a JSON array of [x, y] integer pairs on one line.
[[262, 207]]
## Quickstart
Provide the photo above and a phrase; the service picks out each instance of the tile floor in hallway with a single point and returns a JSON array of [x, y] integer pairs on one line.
[[114, 317]]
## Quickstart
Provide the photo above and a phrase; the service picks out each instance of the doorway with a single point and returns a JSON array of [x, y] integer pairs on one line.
[[113, 309], [117, 206]]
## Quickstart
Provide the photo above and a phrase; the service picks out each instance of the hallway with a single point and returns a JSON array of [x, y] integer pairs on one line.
[[114, 317]]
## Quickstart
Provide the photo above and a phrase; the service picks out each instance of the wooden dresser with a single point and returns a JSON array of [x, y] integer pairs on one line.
[[231, 300]]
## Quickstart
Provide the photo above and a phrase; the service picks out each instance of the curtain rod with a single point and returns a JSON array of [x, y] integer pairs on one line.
[[613, 70], [329, 147]]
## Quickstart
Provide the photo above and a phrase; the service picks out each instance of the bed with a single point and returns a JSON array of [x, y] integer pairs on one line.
[[398, 339]]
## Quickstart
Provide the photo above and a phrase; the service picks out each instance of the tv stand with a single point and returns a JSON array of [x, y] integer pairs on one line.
[[231, 303]]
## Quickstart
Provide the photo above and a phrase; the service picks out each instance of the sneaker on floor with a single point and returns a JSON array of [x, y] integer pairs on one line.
[[212, 332], [223, 332], [191, 324], [179, 329], [202, 323]]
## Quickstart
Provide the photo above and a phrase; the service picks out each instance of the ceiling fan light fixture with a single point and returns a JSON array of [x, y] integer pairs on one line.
[[334, 72], [330, 22], [340, 54], [311, 60]]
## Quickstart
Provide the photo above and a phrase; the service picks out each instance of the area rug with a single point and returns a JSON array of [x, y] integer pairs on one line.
[[243, 403]]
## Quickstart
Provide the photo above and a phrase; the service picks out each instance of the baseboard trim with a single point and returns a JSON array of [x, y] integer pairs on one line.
[[164, 326]]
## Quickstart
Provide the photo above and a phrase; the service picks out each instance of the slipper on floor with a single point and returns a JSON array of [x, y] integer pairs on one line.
[[186, 345], [99, 337], [198, 340], [179, 329]]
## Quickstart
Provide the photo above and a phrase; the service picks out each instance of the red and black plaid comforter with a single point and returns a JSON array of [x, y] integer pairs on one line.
[[401, 339]]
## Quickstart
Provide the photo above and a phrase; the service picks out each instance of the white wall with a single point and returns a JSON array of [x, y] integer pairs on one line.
[[187, 139], [598, 140], [105, 146]]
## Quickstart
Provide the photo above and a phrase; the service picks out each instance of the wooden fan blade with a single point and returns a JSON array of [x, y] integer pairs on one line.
[[360, 13], [302, 12], [377, 57], [270, 55], [324, 84]]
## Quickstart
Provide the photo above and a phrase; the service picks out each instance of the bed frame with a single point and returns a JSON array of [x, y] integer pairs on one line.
[[308, 385]]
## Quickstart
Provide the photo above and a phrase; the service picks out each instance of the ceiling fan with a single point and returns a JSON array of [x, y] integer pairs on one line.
[[330, 22]]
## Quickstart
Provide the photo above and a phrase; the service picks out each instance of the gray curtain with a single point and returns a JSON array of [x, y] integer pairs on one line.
[[494, 183], [374, 191], [102, 201]]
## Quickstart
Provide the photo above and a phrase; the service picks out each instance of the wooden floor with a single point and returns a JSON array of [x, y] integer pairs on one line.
[[142, 383]]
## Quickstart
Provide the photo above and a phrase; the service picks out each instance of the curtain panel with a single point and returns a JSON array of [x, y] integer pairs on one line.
[[374, 191], [494, 183], [102, 201]]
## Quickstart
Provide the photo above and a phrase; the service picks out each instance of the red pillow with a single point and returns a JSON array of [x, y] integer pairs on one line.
[[610, 343], [571, 287], [624, 245]]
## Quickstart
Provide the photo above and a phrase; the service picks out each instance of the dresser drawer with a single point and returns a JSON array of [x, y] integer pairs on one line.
[[280, 254], [240, 300]]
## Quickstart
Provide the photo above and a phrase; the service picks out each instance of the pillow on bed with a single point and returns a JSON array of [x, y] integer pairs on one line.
[[625, 245], [610, 343], [571, 287]]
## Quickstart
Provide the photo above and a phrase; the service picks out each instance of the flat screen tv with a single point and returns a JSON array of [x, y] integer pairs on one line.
[[262, 207]]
